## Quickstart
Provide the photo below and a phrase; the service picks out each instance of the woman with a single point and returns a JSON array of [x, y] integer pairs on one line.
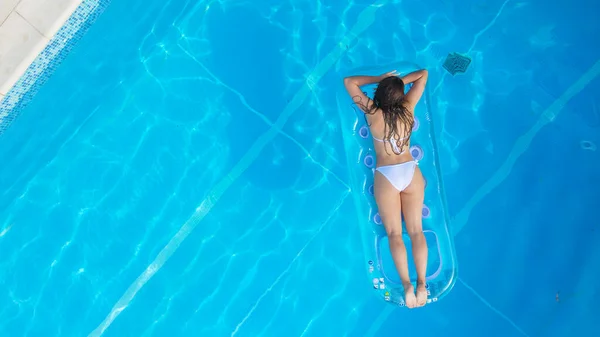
[[399, 186]]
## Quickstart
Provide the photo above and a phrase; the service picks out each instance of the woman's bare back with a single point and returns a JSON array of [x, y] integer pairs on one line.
[[384, 150]]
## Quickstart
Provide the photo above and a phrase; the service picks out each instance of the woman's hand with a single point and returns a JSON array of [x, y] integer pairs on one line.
[[388, 74]]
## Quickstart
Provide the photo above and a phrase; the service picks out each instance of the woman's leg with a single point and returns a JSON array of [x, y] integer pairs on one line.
[[390, 208], [412, 206]]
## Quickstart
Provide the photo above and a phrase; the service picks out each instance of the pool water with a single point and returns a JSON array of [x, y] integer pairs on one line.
[[183, 172]]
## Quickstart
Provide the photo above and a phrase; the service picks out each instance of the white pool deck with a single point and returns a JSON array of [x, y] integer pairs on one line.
[[26, 27]]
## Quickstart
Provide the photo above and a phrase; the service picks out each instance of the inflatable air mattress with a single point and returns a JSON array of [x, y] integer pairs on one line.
[[383, 277]]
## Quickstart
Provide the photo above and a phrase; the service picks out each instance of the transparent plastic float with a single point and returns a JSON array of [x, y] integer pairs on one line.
[[441, 265]]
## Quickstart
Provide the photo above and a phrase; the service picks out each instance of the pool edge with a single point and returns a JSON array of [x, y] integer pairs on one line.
[[46, 62]]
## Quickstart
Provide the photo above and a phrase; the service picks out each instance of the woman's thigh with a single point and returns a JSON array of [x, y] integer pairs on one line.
[[389, 204]]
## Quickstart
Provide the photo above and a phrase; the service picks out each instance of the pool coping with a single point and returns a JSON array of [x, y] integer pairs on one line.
[[46, 62]]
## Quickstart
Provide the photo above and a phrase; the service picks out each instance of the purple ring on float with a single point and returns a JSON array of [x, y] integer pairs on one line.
[[425, 212], [416, 124], [363, 132], [369, 161], [377, 219], [371, 190], [416, 152]]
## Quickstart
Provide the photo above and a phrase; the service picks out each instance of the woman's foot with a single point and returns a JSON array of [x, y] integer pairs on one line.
[[409, 295], [421, 294]]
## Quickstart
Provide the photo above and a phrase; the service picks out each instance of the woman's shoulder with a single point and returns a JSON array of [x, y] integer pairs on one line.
[[408, 106], [374, 116]]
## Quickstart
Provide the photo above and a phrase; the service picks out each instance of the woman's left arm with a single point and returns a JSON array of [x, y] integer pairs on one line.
[[353, 84], [360, 80]]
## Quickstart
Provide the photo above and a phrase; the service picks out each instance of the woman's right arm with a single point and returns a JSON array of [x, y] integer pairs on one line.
[[419, 80]]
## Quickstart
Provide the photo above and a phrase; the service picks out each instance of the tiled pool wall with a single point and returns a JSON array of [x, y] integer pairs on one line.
[[26, 17]]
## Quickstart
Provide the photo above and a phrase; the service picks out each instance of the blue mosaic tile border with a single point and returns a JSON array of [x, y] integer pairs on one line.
[[46, 62]]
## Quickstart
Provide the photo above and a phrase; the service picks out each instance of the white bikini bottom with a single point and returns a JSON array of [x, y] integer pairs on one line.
[[399, 175]]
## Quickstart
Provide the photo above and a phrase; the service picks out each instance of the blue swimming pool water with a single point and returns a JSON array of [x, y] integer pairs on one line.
[[182, 172]]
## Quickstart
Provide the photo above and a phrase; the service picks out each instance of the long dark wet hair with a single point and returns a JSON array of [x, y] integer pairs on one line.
[[389, 97]]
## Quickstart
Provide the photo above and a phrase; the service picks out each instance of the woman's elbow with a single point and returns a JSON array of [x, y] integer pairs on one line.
[[347, 82]]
